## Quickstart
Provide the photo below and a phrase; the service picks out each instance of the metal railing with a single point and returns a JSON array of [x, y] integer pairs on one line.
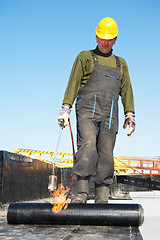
[[135, 166]]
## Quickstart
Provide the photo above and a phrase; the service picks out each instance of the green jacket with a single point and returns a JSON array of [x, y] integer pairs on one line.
[[82, 69]]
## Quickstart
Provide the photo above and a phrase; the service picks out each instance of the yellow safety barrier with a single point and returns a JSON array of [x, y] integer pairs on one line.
[[122, 165], [63, 160]]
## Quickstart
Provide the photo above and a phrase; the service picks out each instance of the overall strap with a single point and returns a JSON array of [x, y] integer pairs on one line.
[[117, 61], [94, 56]]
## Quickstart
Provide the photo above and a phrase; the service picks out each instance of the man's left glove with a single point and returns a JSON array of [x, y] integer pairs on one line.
[[63, 116], [129, 120]]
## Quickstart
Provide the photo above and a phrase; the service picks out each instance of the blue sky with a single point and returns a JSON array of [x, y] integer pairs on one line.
[[38, 45]]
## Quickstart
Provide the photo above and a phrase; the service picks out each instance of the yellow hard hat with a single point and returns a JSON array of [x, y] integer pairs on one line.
[[107, 28]]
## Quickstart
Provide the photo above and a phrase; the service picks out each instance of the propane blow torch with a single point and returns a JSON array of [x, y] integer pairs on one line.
[[52, 186]]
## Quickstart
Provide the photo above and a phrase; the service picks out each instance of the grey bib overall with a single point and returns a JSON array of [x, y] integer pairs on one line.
[[97, 123]]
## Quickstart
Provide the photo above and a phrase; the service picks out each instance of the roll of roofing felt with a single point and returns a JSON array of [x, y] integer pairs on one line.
[[76, 214]]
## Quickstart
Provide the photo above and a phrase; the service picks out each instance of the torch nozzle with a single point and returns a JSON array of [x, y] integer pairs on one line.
[[52, 186]]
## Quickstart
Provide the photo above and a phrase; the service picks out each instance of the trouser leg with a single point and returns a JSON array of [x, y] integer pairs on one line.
[[105, 162], [85, 159], [86, 156], [105, 165]]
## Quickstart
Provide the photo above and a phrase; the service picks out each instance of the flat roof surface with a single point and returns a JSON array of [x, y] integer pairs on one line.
[[150, 229], [150, 202]]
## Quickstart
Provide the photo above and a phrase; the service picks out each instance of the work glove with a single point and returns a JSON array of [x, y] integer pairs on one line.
[[63, 116], [129, 120]]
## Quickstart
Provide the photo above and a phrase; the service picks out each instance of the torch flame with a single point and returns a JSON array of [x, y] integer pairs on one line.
[[59, 198]]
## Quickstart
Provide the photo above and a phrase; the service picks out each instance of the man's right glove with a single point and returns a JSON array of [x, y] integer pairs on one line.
[[63, 116], [129, 120]]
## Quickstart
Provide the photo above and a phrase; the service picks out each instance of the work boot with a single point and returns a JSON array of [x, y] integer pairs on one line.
[[82, 191], [102, 194]]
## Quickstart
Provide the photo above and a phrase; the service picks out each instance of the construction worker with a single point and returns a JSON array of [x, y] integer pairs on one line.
[[97, 79]]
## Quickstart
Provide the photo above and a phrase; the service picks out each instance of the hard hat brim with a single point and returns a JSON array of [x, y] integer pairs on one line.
[[106, 36]]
